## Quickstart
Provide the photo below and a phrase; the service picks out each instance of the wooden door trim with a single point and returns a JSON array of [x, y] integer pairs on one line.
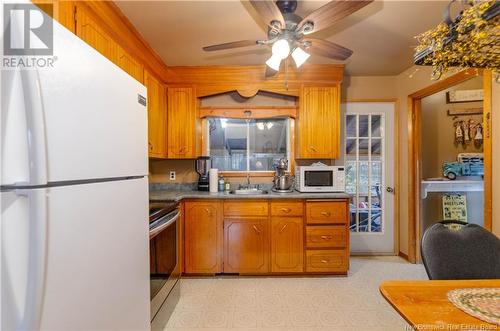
[[415, 157], [396, 215]]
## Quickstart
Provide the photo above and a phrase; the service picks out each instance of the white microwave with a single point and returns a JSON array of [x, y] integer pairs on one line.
[[320, 179]]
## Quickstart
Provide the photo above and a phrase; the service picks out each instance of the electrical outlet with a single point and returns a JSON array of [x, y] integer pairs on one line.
[[172, 175]]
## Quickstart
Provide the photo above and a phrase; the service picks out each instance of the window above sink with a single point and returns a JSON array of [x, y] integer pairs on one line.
[[247, 145]]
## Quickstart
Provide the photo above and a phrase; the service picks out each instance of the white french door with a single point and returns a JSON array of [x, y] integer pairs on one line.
[[368, 142]]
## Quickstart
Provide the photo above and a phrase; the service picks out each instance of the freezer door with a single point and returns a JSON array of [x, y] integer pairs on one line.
[[95, 270], [88, 116]]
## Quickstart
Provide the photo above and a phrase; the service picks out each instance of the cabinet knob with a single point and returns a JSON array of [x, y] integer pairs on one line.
[[326, 237], [256, 229], [324, 261], [150, 146], [311, 148], [207, 211], [286, 210], [283, 228], [182, 150], [326, 213]]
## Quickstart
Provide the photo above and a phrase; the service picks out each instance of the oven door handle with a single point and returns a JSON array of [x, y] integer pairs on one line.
[[153, 232]]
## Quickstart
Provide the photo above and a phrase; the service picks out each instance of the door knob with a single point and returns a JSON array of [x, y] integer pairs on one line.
[[389, 189]]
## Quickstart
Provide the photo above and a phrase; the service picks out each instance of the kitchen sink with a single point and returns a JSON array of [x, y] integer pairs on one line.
[[248, 191]]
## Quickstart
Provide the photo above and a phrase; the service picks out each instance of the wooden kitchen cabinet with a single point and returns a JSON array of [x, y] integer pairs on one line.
[[203, 237], [130, 65], [246, 245], [287, 244], [157, 116], [318, 125], [89, 29], [182, 123]]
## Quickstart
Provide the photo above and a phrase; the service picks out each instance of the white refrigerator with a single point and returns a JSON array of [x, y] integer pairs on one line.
[[74, 194]]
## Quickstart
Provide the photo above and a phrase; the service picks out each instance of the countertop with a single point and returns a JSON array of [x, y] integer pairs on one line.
[[177, 195]]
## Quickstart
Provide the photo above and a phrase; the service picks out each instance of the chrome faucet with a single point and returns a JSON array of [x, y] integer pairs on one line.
[[248, 180]]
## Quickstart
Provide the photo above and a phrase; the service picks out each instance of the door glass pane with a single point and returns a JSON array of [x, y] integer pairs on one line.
[[376, 148], [228, 144], [363, 126], [350, 148], [350, 126], [363, 178], [351, 177], [268, 142], [375, 125], [363, 147]]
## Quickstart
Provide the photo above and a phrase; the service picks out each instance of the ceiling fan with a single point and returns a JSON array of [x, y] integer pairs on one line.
[[289, 33]]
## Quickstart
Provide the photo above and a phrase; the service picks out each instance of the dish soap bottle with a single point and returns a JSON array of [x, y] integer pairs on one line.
[[227, 186], [221, 184]]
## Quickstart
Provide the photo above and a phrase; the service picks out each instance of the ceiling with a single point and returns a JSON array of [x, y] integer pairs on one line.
[[381, 34]]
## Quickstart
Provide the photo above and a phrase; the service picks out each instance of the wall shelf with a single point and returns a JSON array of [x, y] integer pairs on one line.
[[450, 186]]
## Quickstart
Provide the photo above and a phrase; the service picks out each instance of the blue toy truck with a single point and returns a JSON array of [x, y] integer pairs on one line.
[[467, 164]]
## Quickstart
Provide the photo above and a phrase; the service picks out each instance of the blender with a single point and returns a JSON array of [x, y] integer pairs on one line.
[[203, 165]]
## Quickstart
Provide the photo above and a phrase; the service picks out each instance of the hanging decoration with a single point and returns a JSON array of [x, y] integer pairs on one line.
[[470, 40]]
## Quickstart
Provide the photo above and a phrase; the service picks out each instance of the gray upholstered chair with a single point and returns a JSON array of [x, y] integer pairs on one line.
[[457, 250]]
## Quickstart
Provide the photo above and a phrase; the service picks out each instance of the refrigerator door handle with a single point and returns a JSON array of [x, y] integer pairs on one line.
[[35, 117], [37, 260]]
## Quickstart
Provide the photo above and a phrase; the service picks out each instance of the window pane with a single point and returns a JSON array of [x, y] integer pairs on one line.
[[350, 177], [363, 147], [376, 148], [350, 126], [376, 125], [268, 143], [228, 144]]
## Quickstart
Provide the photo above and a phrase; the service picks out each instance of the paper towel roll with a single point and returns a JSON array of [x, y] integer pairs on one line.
[[214, 180]]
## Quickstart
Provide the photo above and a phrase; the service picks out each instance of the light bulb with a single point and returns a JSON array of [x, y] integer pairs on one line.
[[223, 122], [274, 63], [260, 125], [281, 49], [300, 56], [269, 125]]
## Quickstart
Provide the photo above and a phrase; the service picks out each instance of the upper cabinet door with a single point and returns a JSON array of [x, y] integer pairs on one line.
[[157, 116], [318, 135], [130, 65], [182, 123], [89, 29]]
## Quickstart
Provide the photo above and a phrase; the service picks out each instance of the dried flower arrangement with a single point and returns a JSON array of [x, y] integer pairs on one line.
[[471, 40]]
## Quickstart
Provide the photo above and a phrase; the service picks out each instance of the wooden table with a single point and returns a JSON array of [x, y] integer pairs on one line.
[[425, 306]]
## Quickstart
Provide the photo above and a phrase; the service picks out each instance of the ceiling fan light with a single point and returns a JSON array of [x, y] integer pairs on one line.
[[281, 49], [274, 62], [300, 56]]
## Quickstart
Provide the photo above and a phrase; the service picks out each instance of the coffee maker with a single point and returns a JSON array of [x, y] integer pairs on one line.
[[203, 165]]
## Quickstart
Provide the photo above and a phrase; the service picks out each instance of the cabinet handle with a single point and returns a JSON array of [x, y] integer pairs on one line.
[[182, 150], [326, 237], [207, 211], [286, 210], [311, 148], [326, 213], [256, 229], [283, 228], [150, 146], [324, 261]]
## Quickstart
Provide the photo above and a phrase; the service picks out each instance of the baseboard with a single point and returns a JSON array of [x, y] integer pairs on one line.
[[372, 254], [403, 255]]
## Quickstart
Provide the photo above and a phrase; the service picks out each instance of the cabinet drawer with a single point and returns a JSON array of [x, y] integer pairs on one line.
[[327, 260], [326, 236], [287, 208], [245, 208], [326, 212]]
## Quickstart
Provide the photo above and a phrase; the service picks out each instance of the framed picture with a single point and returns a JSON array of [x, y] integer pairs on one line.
[[464, 96], [455, 208]]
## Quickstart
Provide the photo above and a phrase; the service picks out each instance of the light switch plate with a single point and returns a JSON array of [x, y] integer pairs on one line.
[[172, 175]]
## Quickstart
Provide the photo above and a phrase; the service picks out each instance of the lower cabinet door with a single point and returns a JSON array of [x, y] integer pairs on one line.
[[203, 237], [246, 245], [287, 244]]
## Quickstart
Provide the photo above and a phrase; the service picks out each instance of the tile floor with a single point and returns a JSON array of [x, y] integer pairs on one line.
[[295, 303]]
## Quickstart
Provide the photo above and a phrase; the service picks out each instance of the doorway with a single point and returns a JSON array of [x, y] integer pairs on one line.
[[415, 153], [369, 158]]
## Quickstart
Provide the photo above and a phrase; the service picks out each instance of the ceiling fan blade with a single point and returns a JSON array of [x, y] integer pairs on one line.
[[269, 12], [270, 72], [234, 44], [328, 49], [330, 13]]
